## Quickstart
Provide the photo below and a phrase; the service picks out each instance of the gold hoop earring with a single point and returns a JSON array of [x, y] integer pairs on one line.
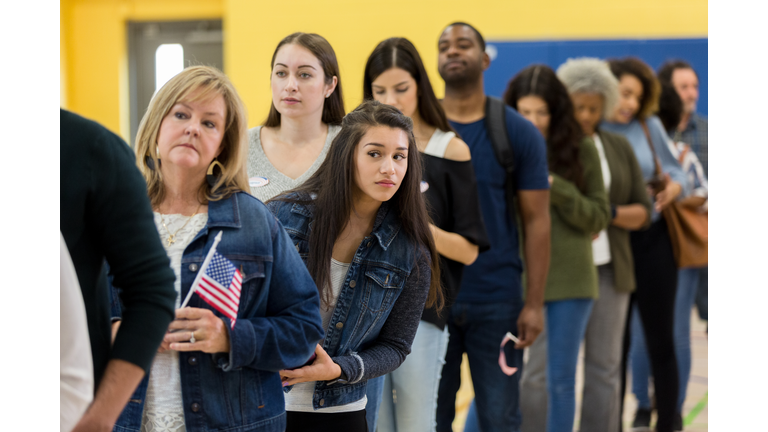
[[210, 176]]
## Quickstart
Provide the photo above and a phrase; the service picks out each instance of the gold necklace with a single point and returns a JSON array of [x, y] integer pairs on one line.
[[171, 239]]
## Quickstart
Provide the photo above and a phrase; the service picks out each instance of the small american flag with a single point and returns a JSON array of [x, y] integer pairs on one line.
[[219, 286]]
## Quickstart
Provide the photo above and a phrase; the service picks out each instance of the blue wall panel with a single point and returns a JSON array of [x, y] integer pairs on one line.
[[514, 56]]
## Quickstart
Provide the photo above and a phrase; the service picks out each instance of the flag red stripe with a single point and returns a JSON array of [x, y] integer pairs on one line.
[[214, 293], [215, 303], [225, 294]]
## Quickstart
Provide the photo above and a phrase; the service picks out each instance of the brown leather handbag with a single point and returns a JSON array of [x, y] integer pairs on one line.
[[688, 227]]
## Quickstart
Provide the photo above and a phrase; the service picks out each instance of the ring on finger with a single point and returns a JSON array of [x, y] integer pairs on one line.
[[192, 338]]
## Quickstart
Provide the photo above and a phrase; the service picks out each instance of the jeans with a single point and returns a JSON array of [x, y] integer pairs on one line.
[[409, 397], [641, 372], [373, 390], [477, 329], [549, 381]]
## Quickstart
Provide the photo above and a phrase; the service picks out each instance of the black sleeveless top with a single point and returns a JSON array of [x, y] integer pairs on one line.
[[452, 202]]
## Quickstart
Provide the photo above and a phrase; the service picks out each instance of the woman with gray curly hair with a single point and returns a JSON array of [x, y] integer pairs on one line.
[[595, 93]]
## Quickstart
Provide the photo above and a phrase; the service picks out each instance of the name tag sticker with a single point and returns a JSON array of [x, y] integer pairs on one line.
[[424, 186], [258, 181]]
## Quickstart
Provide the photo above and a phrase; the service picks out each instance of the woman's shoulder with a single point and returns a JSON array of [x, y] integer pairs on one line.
[[587, 146], [457, 150], [291, 204], [612, 138], [254, 134], [654, 122], [333, 130], [249, 204]]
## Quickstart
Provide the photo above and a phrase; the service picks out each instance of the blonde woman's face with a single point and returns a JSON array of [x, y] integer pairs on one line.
[[191, 134]]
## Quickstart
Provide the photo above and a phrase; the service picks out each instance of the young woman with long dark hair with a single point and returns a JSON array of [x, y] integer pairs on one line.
[[395, 75], [579, 209], [655, 267], [361, 225], [305, 116], [670, 112]]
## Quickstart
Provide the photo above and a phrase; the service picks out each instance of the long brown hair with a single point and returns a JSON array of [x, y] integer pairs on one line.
[[202, 82], [333, 184], [564, 133], [400, 53], [333, 109]]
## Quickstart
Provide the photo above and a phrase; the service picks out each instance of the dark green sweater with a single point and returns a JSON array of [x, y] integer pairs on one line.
[[105, 214], [576, 216]]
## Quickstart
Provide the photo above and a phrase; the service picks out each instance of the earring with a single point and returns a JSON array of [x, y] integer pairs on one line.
[[328, 95], [210, 176], [150, 162]]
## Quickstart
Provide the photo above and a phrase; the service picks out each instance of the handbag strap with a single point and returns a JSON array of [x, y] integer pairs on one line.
[[657, 167]]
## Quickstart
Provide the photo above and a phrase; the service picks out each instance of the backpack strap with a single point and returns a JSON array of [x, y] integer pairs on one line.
[[496, 125]]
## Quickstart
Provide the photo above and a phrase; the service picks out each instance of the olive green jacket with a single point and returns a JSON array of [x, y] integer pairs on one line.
[[627, 187], [576, 216]]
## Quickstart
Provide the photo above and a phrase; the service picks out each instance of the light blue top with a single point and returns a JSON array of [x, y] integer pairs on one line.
[[634, 133]]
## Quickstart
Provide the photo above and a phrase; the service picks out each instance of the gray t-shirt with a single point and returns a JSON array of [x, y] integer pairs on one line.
[[265, 180]]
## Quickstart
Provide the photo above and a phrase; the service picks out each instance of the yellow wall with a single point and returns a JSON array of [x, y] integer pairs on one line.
[[95, 66], [95, 61]]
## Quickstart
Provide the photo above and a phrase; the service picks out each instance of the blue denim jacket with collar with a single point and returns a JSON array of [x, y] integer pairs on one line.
[[278, 325], [378, 308]]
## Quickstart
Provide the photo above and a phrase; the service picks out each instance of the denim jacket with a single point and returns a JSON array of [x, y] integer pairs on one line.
[[278, 325], [379, 305]]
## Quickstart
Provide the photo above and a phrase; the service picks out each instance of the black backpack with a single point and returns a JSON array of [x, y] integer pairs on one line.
[[496, 125]]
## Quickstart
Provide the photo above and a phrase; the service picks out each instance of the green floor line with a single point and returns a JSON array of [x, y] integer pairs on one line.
[[696, 410]]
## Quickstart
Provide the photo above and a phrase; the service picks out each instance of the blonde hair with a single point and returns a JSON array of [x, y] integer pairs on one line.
[[591, 75], [197, 83]]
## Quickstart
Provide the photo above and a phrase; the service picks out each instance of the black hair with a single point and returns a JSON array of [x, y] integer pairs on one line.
[[400, 53], [670, 106], [564, 133], [477, 33], [668, 68], [330, 190]]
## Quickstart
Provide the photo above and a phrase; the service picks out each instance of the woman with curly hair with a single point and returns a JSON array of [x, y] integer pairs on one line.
[[655, 268], [579, 209], [594, 92]]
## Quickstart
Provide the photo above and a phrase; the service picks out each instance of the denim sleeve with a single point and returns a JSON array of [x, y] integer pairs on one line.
[[669, 163], [288, 333], [394, 342]]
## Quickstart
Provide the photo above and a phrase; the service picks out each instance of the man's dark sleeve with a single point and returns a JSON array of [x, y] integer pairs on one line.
[[120, 214]]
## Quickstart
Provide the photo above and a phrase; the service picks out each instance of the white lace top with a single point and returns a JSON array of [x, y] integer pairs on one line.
[[163, 408]]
